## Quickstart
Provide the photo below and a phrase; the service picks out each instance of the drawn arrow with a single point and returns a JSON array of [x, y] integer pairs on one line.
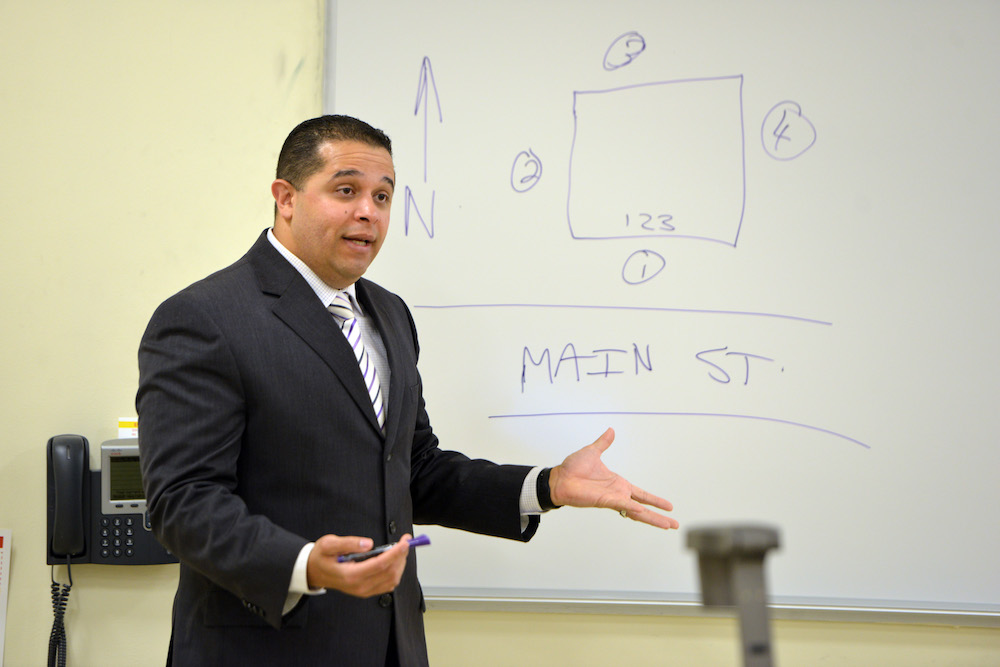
[[426, 88]]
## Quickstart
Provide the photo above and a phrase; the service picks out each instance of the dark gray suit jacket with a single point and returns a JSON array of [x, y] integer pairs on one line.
[[257, 435]]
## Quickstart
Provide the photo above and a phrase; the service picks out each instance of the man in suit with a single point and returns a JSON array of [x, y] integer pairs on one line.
[[267, 451]]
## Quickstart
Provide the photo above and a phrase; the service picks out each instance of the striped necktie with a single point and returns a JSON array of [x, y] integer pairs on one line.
[[342, 310]]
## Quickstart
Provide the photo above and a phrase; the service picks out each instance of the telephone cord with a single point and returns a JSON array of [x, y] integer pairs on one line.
[[60, 598]]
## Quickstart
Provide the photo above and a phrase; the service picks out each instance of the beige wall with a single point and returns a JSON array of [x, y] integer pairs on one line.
[[138, 139], [527, 640]]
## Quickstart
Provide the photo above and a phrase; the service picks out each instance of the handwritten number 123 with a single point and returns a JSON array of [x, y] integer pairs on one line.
[[652, 223]]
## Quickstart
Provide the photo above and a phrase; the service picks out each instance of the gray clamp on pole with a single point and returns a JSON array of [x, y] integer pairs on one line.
[[731, 569]]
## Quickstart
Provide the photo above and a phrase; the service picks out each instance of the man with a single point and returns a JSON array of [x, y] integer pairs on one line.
[[270, 446]]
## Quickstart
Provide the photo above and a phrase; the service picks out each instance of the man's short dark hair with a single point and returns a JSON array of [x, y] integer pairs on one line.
[[300, 158]]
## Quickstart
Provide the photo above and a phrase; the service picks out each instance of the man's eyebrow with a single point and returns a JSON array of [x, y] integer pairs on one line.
[[344, 173]]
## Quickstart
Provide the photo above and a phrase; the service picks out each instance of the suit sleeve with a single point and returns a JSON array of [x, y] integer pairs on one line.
[[191, 409]]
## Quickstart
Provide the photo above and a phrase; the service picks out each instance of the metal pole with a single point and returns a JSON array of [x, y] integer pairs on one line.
[[731, 571]]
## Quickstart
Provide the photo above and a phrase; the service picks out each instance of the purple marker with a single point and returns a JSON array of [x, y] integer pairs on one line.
[[365, 555]]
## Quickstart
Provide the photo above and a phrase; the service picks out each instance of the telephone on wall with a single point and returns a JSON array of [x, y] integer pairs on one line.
[[98, 516]]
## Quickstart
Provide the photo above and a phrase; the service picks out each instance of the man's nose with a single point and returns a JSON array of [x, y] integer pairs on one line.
[[367, 210]]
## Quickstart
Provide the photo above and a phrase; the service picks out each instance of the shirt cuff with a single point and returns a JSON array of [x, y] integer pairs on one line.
[[529, 493], [299, 584]]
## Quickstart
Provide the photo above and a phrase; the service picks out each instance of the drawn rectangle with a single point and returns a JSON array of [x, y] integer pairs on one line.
[[661, 159]]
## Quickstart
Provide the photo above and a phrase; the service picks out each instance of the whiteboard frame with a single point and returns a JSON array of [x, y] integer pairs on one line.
[[585, 602]]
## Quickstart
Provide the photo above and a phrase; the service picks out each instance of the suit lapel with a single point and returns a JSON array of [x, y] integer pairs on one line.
[[297, 306]]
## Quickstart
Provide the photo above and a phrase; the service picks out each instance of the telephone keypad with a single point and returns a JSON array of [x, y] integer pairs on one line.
[[118, 538]]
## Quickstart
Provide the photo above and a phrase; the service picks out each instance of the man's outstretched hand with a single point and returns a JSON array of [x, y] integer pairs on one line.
[[582, 480]]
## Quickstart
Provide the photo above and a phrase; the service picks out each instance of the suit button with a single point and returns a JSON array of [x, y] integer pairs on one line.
[[385, 600], [251, 607], [392, 527]]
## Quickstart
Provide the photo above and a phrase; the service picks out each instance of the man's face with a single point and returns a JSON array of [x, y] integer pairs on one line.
[[337, 222]]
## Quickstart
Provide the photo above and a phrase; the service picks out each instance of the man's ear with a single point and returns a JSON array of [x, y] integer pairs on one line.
[[284, 197]]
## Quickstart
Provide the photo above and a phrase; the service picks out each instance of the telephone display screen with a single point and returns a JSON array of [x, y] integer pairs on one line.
[[125, 478]]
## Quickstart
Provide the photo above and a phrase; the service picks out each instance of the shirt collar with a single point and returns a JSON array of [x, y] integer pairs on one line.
[[324, 292]]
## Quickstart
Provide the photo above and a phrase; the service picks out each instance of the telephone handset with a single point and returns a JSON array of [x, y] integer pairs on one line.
[[98, 516], [68, 467]]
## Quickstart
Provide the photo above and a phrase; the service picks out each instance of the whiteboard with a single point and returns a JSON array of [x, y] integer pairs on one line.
[[759, 240]]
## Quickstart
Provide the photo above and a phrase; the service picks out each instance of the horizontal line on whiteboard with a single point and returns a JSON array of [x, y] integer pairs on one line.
[[687, 311], [684, 414]]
